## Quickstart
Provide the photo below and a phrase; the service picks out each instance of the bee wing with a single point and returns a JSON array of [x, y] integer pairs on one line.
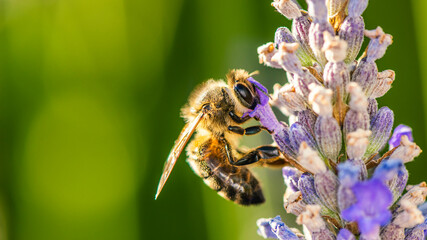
[[179, 145]]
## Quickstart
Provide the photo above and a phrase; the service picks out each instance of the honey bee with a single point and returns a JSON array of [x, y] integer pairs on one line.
[[213, 111]]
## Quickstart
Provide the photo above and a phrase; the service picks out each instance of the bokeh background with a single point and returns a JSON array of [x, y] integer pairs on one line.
[[90, 94]]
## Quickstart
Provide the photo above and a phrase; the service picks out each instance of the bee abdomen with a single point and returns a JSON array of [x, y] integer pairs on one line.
[[237, 184]]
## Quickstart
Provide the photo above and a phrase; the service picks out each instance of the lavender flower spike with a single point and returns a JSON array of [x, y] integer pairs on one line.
[[330, 95]]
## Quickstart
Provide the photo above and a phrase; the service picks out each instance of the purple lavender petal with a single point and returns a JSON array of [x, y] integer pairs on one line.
[[348, 173], [388, 169], [371, 208], [264, 228], [262, 91], [291, 176], [275, 228], [281, 230], [398, 132]]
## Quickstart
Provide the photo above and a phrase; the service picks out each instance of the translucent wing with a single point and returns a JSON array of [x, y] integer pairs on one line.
[[180, 143]]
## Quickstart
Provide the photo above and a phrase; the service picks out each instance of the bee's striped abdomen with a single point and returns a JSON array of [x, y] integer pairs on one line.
[[237, 184]]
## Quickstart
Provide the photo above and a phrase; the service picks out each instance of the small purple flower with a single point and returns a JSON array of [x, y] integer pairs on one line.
[[399, 131], [275, 228], [371, 208]]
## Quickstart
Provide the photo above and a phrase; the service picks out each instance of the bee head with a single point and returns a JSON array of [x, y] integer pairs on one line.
[[243, 90]]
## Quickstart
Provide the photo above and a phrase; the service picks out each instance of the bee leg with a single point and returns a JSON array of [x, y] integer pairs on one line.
[[260, 153], [247, 131], [238, 119]]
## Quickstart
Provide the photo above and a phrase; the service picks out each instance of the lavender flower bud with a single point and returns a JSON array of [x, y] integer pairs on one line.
[[398, 183], [372, 107], [318, 10], [381, 126], [335, 6], [294, 203], [281, 35], [308, 192], [287, 58], [416, 194], [357, 7], [327, 130], [357, 117], [352, 31], [407, 150], [409, 215], [417, 233], [383, 83], [378, 44], [313, 221], [366, 75], [265, 53], [326, 184], [357, 142], [302, 83], [287, 100], [345, 234], [393, 232], [300, 29], [283, 140], [308, 119], [287, 8], [299, 134], [360, 164], [336, 77], [328, 136]]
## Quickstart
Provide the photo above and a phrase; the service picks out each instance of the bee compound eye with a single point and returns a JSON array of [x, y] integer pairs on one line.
[[244, 94]]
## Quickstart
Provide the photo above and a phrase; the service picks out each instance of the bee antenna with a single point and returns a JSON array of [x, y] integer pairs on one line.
[[256, 72]]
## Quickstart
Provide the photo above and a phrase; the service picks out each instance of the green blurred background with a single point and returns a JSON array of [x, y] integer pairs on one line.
[[90, 94]]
